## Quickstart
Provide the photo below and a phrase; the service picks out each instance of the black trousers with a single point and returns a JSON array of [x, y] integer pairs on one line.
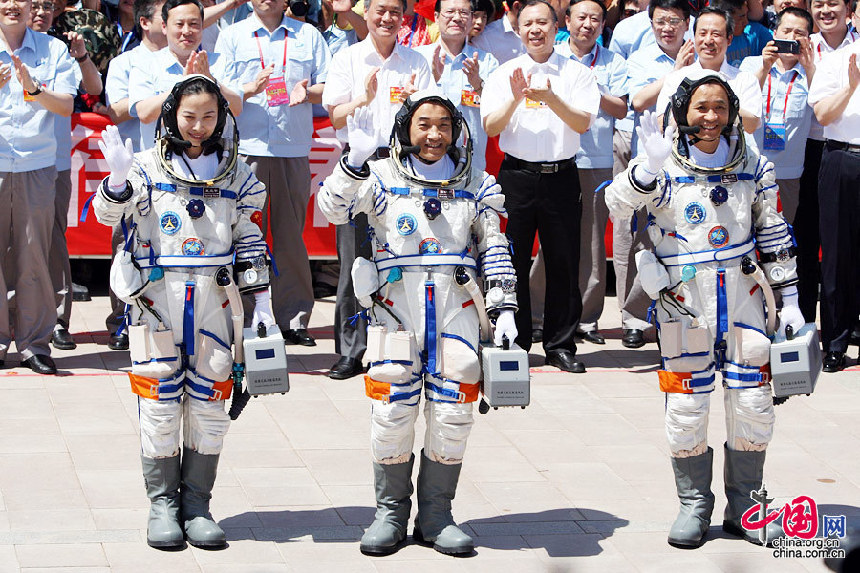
[[839, 215], [350, 336], [549, 204], [806, 231]]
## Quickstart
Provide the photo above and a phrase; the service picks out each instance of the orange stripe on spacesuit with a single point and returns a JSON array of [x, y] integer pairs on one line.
[[143, 386], [376, 389], [221, 390], [675, 382], [470, 391]]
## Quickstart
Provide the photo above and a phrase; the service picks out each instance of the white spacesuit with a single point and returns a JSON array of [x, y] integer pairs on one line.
[[188, 235], [709, 213], [434, 227]]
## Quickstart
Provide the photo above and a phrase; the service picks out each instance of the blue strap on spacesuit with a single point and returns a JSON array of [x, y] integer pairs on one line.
[[454, 394], [430, 325], [722, 319], [457, 193], [188, 319], [205, 192], [460, 338], [728, 178]]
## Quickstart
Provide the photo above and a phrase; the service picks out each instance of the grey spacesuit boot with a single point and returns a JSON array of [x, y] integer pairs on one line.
[[393, 484], [198, 478], [161, 477], [693, 480], [743, 474], [434, 524]]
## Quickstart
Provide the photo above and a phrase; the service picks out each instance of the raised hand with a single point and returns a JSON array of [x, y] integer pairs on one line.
[[438, 62], [361, 135], [371, 84], [471, 69], [519, 84], [118, 155], [657, 145], [540, 93], [299, 95]]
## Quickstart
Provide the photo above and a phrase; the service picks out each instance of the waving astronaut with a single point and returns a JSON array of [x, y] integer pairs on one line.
[[712, 202], [434, 223], [194, 214]]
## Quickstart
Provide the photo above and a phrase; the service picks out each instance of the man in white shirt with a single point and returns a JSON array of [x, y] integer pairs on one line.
[[460, 70], [525, 101], [834, 98], [829, 17], [379, 74], [712, 34], [501, 37]]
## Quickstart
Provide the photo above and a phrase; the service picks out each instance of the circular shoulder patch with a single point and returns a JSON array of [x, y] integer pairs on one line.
[[192, 247], [406, 224], [694, 213], [170, 223], [718, 237]]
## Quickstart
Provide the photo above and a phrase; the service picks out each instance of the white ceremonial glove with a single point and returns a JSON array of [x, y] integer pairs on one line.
[[119, 156], [361, 137], [262, 309], [505, 326], [657, 146], [790, 314], [653, 276]]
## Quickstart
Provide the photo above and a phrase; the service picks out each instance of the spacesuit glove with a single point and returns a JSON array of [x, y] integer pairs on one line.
[[362, 137], [505, 326], [790, 314], [657, 146], [262, 309], [118, 155]]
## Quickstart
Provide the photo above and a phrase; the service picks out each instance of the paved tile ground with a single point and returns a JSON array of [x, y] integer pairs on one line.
[[579, 481]]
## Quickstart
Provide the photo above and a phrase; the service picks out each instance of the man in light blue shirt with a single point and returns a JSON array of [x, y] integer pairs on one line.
[[148, 16], [150, 85], [785, 80], [460, 70], [37, 83], [500, 37], [280, 65]]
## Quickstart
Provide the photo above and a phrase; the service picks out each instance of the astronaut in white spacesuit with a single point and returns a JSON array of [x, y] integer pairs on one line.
[[712, 202], [195, 213], [435, 223]]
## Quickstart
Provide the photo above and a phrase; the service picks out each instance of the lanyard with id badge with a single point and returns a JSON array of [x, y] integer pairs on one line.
[[276, 88], [774, 133]]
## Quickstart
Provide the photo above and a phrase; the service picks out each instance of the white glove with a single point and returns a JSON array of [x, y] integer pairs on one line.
[[505, 326], [657, 146], [262, 309], [790, 314], [119, 156], [361, 136]]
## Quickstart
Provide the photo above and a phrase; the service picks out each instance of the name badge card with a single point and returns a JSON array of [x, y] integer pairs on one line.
[[276, 92]]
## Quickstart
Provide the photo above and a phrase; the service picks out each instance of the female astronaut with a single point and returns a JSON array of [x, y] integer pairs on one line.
[[434, 220], [190, 213], [712, 202]]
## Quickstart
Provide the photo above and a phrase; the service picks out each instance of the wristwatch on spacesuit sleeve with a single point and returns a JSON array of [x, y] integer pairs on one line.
[[252, 274], [781, 255], [500, 295], [111, 195]]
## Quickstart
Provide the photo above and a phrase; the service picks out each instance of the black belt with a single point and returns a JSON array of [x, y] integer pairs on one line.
[[842, 146], [541, 166], [380, 153]]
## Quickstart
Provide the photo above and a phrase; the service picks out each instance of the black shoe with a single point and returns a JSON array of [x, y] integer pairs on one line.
[[324, 290], [80, 293], [537, 335], [854, 337], [345, 368], [118, 342], [565, 360], [632, 338], [299, 336], [40, 364], [834, 361], [592, 336], [62, 340]]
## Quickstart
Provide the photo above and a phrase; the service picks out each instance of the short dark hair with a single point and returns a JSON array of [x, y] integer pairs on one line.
[[799, 13], [367, 5], [438, 7], [487, 6], [528, 3], [144, 9], [171, 4], [598, 2], [681, 5], [730, 22]]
